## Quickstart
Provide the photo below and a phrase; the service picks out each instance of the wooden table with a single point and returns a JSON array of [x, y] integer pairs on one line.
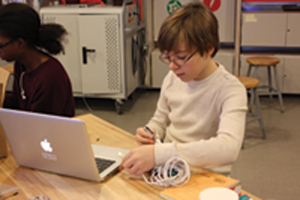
[[9, 67], [120, 186]]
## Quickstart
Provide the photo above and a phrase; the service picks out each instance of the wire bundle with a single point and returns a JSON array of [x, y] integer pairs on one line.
[[175, 172]]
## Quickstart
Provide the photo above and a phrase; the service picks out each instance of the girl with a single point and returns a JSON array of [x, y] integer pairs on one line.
[[41, 84]]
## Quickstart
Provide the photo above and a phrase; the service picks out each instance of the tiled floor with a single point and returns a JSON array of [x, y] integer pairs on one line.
[[267, 168]]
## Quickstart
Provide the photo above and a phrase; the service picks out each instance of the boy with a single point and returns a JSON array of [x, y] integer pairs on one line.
[[201, 110]]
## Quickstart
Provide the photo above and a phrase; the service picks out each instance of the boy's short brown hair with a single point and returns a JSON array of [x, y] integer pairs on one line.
[[195, 25]]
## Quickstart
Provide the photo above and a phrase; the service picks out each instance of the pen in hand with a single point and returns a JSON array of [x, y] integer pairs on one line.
[[148, 130]]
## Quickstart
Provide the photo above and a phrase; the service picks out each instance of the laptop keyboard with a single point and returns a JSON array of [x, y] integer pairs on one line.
[[103, 164]]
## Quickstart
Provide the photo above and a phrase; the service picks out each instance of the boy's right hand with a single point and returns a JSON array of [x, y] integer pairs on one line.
[[143, 137]]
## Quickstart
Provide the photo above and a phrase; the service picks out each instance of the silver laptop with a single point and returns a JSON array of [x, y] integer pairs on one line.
[[57, 144]]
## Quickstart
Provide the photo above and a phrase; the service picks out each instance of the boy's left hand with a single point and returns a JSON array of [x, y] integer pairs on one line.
[[139, 160]]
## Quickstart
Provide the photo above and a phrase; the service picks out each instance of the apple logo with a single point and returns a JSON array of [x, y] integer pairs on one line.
[[46, 145]]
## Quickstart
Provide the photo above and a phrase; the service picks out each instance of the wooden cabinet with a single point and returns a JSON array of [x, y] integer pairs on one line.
[[291, 74], [293, 30], [271, 29], [260, 29]]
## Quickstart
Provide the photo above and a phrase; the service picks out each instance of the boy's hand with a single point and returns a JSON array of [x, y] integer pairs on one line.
[[143, 137], [139, 160]]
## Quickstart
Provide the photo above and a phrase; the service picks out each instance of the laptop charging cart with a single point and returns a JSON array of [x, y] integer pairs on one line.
[[103, 48]]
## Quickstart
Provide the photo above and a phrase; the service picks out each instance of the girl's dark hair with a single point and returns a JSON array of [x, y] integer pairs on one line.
[[19, 20]]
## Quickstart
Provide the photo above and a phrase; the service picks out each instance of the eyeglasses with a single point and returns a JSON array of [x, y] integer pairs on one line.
[[177, 60], [6, 44]]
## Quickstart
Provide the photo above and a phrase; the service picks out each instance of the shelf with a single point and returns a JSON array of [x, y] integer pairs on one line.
[[272, 50], [270, 6]]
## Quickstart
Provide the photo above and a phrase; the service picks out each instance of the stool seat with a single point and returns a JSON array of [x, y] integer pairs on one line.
[[263, 60], [248, 82], [270, 63]]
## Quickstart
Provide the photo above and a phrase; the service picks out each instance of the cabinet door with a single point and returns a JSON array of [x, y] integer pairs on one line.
[[291, 83], [258, 29], [293, 30], [72, 66], [99, 38]]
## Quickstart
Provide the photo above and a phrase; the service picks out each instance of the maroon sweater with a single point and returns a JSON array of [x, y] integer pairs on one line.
[[47, 90]]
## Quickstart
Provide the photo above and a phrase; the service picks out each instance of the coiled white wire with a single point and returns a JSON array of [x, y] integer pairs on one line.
[[175, 172]]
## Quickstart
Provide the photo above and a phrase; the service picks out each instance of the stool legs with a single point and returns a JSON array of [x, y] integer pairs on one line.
[[278, 89], [270, 83], [270, 87], [258, 115], [249, 70], [251, 91]]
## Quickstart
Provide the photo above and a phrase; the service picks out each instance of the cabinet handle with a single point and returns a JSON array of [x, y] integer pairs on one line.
[[84, 52]]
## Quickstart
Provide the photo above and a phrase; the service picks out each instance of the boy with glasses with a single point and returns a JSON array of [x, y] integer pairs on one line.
[[201, 110]]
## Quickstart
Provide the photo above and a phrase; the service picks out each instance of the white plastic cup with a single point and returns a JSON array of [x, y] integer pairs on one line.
[[218, 193]]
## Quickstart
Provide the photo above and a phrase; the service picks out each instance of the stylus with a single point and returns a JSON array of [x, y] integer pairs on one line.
[[148, 130]]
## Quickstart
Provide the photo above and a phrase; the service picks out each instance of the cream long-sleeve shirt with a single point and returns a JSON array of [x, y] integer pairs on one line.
[[202, 121]]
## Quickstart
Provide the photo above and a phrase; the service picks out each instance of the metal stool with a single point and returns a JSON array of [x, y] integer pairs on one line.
[[270, 63], [251, 84]]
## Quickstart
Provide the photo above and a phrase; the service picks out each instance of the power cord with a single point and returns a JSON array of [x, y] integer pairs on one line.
[[175, 172], [86, 104]]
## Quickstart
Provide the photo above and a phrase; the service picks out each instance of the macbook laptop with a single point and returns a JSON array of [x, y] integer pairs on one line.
[[57, 144]]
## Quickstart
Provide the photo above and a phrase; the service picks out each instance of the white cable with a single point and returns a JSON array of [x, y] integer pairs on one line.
[[21, 86], [86, 104], [175, 172]]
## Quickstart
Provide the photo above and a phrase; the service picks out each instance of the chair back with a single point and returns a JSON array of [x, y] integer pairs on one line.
[[3, 145], [4, 76]]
